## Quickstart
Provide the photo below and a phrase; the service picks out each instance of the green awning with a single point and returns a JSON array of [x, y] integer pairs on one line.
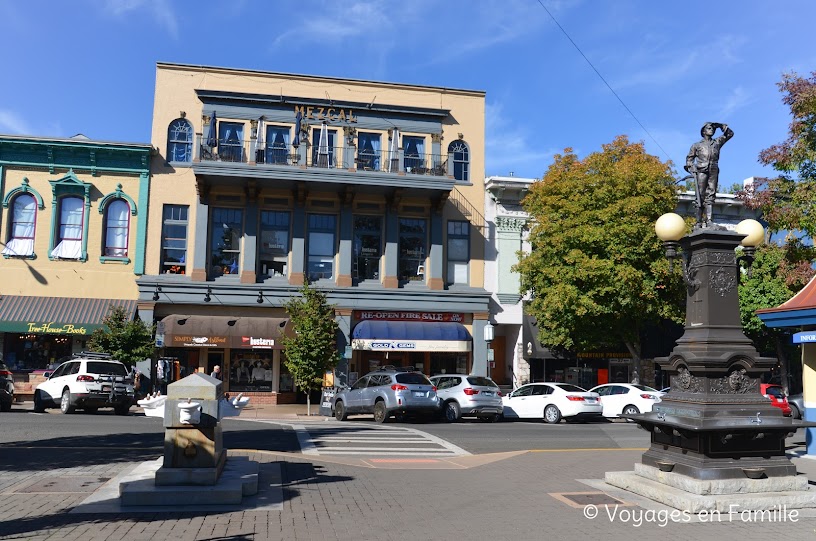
[[57, 315]]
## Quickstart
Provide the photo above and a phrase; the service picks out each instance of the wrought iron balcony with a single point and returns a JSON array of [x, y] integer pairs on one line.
[[307, 155]]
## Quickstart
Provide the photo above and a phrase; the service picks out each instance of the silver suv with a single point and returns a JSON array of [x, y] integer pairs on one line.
[[388, 391], [88, 381], [465, 395]]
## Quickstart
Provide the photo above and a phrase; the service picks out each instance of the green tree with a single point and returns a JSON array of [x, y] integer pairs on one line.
[[767, 287], [125, 339], [313, 348], [597, 270]]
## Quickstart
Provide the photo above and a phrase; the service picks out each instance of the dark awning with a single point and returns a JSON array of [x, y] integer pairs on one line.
[[57, 315], [411, 336], [529, 336], [224, 331]]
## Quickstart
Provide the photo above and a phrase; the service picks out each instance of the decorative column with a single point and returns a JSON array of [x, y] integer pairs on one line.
[[341, 371], [508, 244], [436, 258], [479, 367], [249, 251], [200, 227], [296, 275], [391, 280], [344, 265]]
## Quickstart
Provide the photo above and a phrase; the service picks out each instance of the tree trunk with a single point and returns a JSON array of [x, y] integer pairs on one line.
[[634, 351], [309, 403], [784, 367]]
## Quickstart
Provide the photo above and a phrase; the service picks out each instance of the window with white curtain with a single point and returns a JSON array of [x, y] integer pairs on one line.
[[277, 145], [414, 148], [23, 219], [231, 141], [117, 226], [69, 232], [368, 151]]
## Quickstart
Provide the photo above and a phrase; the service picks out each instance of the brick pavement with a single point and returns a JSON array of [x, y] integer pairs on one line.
[[505, 499]]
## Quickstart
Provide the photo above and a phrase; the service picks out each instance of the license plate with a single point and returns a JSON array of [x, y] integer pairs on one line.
[[590, 400], [487, 393], [419, 393], [106, 388]]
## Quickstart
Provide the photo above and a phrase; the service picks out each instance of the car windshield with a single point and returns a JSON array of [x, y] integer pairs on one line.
[[570, 388], [412, 377], [107, 369], [644, 388], [775, 392], [478, 380]]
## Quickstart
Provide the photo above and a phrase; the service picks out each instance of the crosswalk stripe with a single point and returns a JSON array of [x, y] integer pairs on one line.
[[401, 441]]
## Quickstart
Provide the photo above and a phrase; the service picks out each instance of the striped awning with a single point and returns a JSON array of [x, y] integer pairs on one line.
[[57, 315]]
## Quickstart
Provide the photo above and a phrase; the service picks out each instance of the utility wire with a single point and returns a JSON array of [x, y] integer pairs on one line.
[[602, 78]]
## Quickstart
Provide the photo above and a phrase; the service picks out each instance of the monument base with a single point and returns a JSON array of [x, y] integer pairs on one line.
[[720, 495], [192, 476], [238, 479]]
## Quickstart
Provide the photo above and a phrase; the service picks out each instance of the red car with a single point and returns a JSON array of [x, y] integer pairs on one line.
[[777, 397]]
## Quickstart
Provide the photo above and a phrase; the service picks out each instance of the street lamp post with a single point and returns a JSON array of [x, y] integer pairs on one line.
[[489, 334]]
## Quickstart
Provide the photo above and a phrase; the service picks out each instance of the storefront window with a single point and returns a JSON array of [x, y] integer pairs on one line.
[[322, 231], [287, 382], [35, 351], [250, 371]]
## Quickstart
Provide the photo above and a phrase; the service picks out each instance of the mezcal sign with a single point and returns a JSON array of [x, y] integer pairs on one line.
[[325, 113]]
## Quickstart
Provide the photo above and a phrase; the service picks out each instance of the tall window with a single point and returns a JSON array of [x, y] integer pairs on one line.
[[367, 247], [174, 239], [226, 231], [274, 245], [414, 148], [322, 243], [69, 231], [23, 218], [368, 151], [317, 158], [413, 237], [458, 152], [180, 141], [231, 141], [117, 226], [277, 145], [458, 252]]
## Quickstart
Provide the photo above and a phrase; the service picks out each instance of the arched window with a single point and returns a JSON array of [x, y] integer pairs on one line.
[[458, 152], [69, 230], [20, 241], [180, 141], [117, 227]]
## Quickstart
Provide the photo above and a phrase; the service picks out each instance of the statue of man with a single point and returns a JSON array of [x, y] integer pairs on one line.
[[703, 162]]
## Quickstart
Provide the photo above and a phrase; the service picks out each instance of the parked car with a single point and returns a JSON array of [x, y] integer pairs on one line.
[[626, 398], [6, 388], [388, 391], [87, 381], [463, 395], [797, 405], [551, 402], [776, 394]]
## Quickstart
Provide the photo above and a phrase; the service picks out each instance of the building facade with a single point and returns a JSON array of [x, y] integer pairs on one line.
[[369, 191], [73, 228]]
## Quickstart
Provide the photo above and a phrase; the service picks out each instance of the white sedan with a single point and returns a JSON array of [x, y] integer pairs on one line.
[[626, 398], [551, 402]]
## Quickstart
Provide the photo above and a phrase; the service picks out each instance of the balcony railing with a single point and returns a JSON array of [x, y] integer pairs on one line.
[[348, 158]]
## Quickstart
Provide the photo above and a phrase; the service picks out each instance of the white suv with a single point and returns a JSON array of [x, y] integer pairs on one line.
[[88, 381]]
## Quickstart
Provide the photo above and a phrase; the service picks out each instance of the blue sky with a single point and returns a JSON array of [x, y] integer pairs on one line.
[[87, 66]]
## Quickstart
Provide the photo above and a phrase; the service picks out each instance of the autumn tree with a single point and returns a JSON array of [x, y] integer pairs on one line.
[[127, 340], [597, 271], [313, 348]]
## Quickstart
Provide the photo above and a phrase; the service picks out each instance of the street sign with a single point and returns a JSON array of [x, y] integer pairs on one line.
[[490, 355], [804, 337], [159, 340], [347, 353]]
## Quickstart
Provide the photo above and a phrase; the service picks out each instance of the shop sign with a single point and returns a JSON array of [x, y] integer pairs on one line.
[[47, 328], [325, 113], [411, 316], [191, 341], [804, 337], [411, 345], [257, 343]]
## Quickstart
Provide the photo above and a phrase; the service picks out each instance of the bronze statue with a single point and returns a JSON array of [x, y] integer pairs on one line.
[[702, 162]]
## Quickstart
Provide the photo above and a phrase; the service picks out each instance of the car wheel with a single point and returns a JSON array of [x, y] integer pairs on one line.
[[340, 411], [552, 414], [380, 415], [452, 412], [65, 402], [795, 413], [122, 409], [89, 409], [630, 410], [39, 404]]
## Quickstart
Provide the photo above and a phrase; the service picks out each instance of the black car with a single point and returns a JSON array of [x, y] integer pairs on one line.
[[6, 388]]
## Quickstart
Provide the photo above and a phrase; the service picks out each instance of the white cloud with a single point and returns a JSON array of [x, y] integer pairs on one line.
[[738, 99], [507, 146], [12, 123], [161, 11]]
